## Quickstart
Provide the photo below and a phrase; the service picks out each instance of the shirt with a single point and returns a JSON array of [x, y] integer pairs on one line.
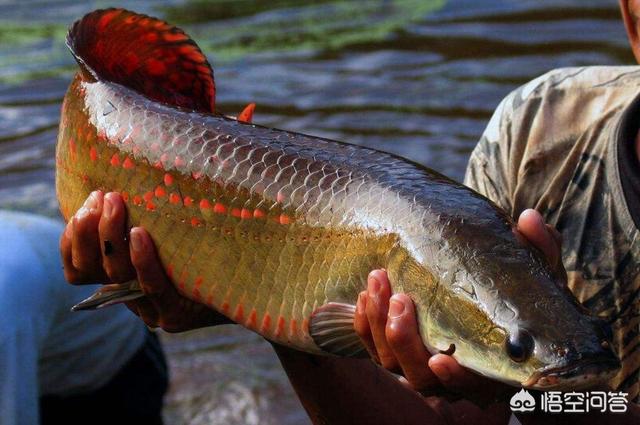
[[555, 145], [44, 347]]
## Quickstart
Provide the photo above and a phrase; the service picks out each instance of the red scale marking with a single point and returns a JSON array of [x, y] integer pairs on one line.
[[183, 279], [115, 160], [293, 328], [148, 196], [252, 320], [239, 314], [188, 201], [125, 196], [164, 158], [168, 179], [196, 294], [170, 271], [266, 323], [225, 307], [195, 222], [160, 192], [128, 163], [285, 219], [196, 288], [151, 206], [179, 162], [258, 214], [219, 208], [137, 200], [174, 198], [279, 326], [236, 212], [205, 204], [245, 214], [93, 154]]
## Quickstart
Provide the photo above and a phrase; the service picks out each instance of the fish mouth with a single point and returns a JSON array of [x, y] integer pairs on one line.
[[586, 373]]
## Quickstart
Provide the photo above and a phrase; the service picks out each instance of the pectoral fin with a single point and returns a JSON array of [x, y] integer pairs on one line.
[[331, 327], [109, 295]]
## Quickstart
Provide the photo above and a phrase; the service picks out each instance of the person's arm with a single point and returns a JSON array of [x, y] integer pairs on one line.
[[354, 391]]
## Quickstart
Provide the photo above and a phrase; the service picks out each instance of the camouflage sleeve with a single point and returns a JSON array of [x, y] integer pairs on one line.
[[488, 167]]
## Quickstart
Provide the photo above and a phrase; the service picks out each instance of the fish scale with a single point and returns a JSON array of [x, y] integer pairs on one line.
[[278, 230]]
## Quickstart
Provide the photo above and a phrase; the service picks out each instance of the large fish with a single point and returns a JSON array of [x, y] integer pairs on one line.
[[278, 230]]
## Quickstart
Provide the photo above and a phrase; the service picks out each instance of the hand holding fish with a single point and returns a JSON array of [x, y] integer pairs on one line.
[[95, 248], [387, 325]]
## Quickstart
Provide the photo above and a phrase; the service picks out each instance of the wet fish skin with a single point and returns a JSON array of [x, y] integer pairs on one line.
[[267, 226]]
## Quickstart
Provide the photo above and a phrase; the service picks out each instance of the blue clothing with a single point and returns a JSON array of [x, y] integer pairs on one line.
[[45, 349]]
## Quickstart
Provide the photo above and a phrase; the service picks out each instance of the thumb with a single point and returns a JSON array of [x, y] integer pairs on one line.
[[547, 239]]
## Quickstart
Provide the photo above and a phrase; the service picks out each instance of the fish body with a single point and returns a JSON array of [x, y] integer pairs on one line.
[[279, 230]]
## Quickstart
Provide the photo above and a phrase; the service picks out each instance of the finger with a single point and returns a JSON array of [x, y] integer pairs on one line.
[[361, 326], [457, 379], [407, 346], [71, 274], [86, 256], [532, 227], [152, 278], [159, 291], [377, 308], [144, 309], [116, 260]]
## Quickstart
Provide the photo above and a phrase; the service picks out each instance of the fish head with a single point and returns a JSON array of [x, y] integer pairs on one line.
[[548, 340], [512, 319]]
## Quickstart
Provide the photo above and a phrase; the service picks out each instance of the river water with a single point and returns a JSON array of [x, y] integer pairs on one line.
[[419, 78]]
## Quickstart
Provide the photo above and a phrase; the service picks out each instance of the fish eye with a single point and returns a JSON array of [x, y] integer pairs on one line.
[[519, 345]]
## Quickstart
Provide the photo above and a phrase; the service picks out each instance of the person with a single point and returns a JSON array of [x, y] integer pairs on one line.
[[565, 144], [62, 367]]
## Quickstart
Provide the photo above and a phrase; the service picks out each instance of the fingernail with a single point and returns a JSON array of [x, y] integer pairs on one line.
[[442, 373], [396, 308], [359, 306], [92, 201], [136, 242], [68, 230], [373, 286], [82, 212], [107, 208]]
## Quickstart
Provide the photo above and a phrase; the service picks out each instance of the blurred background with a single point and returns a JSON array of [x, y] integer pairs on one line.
[[419, 78]]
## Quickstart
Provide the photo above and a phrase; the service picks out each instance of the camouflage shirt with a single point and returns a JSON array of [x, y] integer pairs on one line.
[[564, 145]]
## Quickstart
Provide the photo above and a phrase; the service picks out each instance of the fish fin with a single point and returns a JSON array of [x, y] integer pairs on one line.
[[109, 295], [145, 54], [247, 113], [331, 327]]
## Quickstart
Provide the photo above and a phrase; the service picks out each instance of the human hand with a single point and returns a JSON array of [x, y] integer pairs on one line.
[[97, 247], [387, 325]]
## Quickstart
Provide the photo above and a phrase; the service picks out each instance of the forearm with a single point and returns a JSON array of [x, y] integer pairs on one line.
[[351, 391]]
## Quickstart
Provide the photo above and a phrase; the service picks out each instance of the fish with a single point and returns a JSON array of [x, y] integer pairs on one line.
[[278, 230]]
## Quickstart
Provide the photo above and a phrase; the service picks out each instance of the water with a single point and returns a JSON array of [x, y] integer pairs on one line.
[[419, 78]]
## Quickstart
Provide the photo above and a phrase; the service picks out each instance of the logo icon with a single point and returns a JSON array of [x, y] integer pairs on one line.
[[522, 401]]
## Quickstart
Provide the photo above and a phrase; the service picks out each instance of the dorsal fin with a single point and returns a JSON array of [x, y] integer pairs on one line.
[[144, 54]]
